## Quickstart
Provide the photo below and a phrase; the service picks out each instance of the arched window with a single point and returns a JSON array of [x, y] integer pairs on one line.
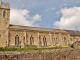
[[65, 41], [24, 40], [4, 14], [70, 39], [17, 40], [9, 35], [55, 40], [40, 44], [31, 40], [44, 41]]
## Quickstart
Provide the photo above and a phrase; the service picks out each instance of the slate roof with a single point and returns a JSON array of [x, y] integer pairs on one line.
[[19, 27], [73, 32], [36, 28]]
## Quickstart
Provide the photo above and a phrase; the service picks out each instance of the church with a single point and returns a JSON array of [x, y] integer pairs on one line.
[[26, 36]]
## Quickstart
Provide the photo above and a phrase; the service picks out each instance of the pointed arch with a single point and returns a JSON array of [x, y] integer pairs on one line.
[[4, 14], [65, 40], [55, 41], [40, 43], [26, 38], [17, 40], [31, 40], [44, 41], [9, 35]]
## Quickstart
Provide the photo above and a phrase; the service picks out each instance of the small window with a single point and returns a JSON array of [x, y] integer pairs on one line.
[[0, 35], [4, 14]]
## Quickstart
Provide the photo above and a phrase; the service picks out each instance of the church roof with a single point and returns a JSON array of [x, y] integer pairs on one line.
[[36, 28], [19, 27], [73, 32]]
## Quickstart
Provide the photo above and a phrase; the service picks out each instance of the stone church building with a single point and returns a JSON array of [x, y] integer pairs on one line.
[[26, 36]]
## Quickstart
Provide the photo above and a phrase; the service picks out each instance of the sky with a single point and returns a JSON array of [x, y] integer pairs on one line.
[[59, 14]]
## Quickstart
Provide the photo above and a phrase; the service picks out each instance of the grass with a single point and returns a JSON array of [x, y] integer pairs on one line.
[[31, 48]]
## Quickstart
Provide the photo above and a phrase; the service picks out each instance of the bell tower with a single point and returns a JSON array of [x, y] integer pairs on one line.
[[4, 23], [4, 15]]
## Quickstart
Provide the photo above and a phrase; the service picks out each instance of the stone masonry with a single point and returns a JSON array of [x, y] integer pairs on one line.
[[59, 54], [26, 36]]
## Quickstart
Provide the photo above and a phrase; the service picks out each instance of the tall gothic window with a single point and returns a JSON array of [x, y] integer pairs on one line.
[[9, 35], [24, 40], [40, 44], [55, 40], [44, 41], [17, 40], [4, 14], [71, 39], [65, 41], [31, 40], [0, 35]]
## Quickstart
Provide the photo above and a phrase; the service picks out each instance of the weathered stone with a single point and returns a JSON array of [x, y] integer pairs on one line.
[[59, 54], [18, 36], [76, 44]]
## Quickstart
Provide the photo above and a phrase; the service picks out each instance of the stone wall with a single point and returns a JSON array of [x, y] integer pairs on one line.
[[59, 54], [4, 23], [53, 39]]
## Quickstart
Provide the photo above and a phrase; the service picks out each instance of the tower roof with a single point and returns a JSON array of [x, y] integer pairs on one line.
[[5, 5]]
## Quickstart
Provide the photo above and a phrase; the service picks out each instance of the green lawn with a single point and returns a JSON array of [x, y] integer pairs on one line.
[[30, 48]]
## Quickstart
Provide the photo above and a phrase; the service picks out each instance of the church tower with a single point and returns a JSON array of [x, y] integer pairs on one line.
[[4, 15], [4, 22]]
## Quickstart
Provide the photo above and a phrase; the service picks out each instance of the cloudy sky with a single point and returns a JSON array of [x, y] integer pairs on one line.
[[63, 14]]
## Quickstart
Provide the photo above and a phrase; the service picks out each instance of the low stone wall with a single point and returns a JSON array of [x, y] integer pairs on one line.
[[57, 54]]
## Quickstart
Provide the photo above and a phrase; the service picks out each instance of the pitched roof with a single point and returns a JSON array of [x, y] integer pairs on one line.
[[36, 28], [73, 32]]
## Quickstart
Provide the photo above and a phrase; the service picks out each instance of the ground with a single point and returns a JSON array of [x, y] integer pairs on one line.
[[55, 54]]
